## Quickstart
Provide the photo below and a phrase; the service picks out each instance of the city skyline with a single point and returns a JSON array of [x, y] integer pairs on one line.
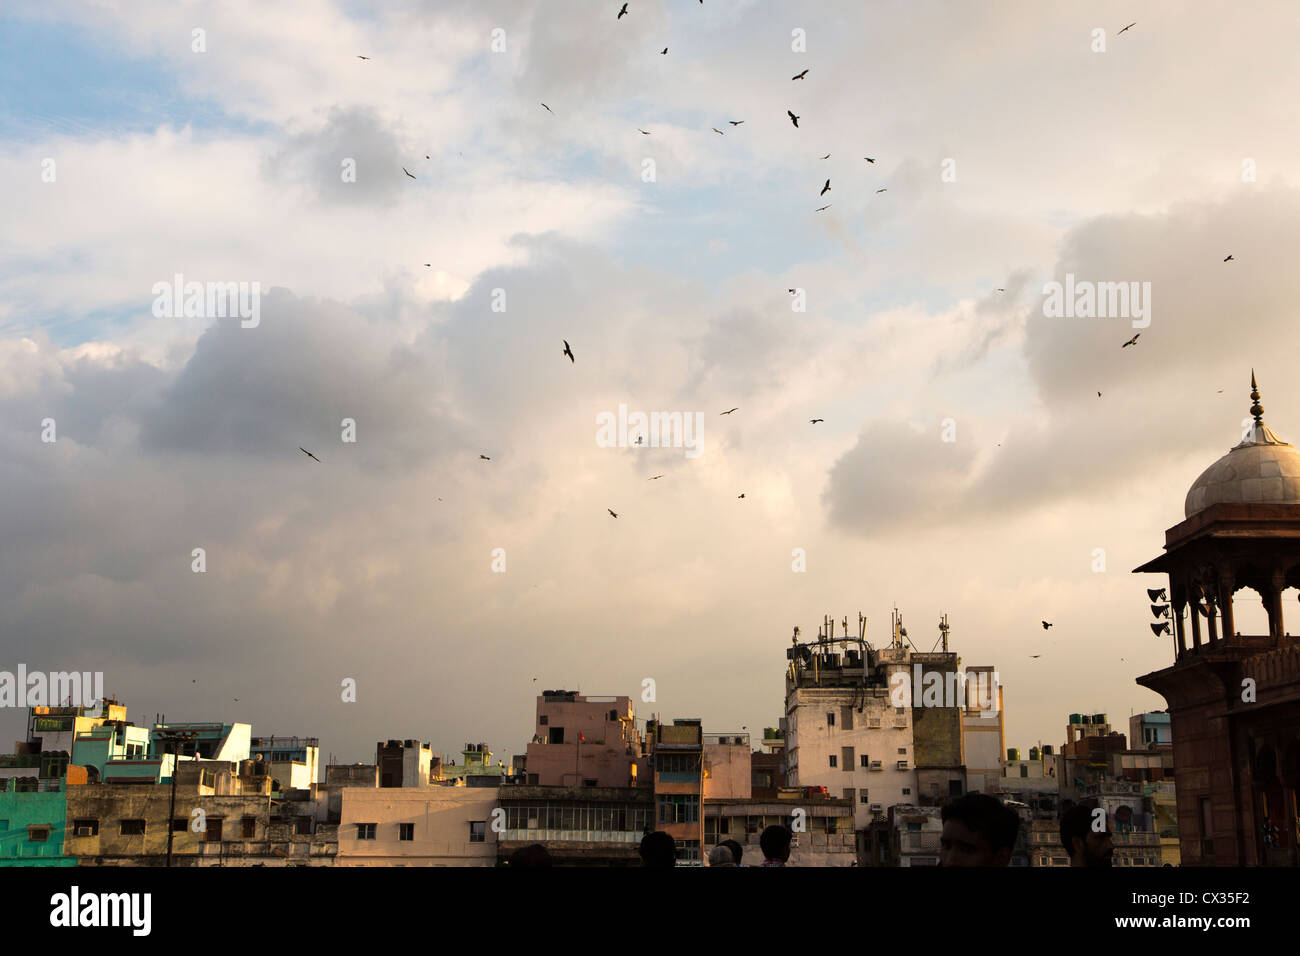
[[1006, 154]]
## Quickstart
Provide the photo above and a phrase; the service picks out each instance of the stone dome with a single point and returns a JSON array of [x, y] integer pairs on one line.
[[1262, 469]]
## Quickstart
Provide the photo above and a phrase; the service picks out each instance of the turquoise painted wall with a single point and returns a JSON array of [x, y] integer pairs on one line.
[[20, 810]]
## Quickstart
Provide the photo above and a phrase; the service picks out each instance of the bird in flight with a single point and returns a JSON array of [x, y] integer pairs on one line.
[[799, 76], [611, 511], [880, 190], [360, 57], [1099, 394], [825, 189], [1002, 290], [730, 410], [429, 264], [407, 171], [1127, 28], [643, 132], [485, 457], [822, 208], [664, 51], [814, 421], [568, 351], [640, 439], [741, 495], [547, 108], [1229, 259], [1046, 625], [1132, 341], [793, 119], [869, 159], [1035, 656], [716, 130], [735, 122], [307, 453], [827, 156], [622, 13], [653, 477]]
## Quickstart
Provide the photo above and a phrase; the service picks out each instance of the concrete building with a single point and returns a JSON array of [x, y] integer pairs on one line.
[[585, 742], [476, 769], [1034, 775], [677, 752], [225, 815], [843, 729], [823, 826], [983, 729], [294, 761], [417, 826], [1150, 731], [579, 826], [914, 834], [1234, 699], [33, 828], [406, 763]]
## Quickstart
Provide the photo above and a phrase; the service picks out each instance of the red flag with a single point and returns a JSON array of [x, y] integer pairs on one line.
[[581, 738]]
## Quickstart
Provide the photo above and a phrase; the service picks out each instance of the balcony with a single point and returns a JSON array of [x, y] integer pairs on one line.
[[919, 843], [572, 836]]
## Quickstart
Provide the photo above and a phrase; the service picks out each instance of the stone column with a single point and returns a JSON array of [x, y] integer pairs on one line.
[[1195, 616], [1276, 585], [1226, 587]]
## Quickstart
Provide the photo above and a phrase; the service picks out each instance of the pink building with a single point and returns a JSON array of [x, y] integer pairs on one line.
[[585, 742]]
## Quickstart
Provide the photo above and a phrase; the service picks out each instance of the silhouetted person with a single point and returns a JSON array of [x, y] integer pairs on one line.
[[775, 843], [658, 849], [736, 850], [530, 856], [977, 831], [722, 856], [1086, 845]]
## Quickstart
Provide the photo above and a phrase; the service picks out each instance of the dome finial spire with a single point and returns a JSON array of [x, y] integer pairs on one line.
[[1256, 408]]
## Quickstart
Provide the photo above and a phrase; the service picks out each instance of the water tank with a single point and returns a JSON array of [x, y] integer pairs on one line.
[[1013, 753], [1033, 753], [1047, 750], [1087, 719], [1098, 718], [1076, 718]]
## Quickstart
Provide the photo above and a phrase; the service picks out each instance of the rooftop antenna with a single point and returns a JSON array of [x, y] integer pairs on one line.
[[943, 632]]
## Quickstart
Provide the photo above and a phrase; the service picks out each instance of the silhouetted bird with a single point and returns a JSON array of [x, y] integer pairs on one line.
[[814, 421], [360, 57], [825, 189], [664, 51], [611, 511], [407, 171], [547, 108], [1046, 625], [1127, 28], [622, 13], [869, 159], [1132, 341], [822, 208], [735, 122], [799, 76], [485, 457], [307, 453], [716, 130], [729, 411], [568, 351], [1229, 259], [793, 119], [741, 495]]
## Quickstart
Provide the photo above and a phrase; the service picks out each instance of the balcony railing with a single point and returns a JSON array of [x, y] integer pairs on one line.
[[573, 836]]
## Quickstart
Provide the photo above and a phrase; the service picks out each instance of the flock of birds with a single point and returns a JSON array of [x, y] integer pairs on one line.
[[826, 187]]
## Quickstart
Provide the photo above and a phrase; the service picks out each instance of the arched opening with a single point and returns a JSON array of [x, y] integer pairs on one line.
[[1249, 615], [1290, 611]]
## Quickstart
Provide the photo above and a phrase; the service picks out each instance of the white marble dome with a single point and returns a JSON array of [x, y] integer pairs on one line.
[[1262, 469]]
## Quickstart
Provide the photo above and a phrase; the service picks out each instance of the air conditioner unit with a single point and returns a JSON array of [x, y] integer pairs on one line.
[[902, 765], [876, 765], [877, 807], [83, 831]]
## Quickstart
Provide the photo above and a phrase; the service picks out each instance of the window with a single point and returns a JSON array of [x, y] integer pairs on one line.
[[679, 808], [954, 788], [38, 834], [85, 828], [865, 761], [846, 756], [303, 827], [366, 831], [533, 779], [248, 827], [830, 719], [846, 718], [478, 831], [179, 824], [848, 793], [1024, 770], [902, 750], [132, 828], [900, 711], [907, 791], [555, 735], [406, 831], [863, 797], [834, 760]]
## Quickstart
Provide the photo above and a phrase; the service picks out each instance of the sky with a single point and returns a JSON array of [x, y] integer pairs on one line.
[[965, 465]]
